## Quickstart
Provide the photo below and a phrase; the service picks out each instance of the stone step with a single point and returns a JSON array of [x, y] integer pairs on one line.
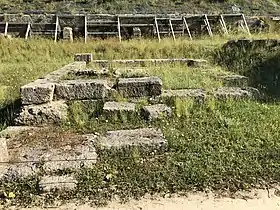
[[115, 110], [65, 183], [149, 137], [49, 113], [37, 92], [42, 90], [139, 87], [156, 111], [236, 93], [82, 89], [218, 93], [29, 153], [234, 81], [188, 61]]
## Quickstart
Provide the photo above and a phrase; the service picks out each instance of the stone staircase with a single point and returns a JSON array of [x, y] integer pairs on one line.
[[45, 102]]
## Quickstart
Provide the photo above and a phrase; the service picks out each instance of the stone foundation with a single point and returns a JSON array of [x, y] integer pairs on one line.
[[139, 87]]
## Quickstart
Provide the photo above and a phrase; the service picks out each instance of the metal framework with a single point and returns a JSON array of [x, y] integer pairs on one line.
[[118, 25]]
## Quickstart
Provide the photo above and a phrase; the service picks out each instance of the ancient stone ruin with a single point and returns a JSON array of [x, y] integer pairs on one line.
[[46, 102]]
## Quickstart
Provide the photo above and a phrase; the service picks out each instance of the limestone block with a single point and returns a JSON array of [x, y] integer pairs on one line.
[[4, 156], [49, 113], [68, 34], [13, 131], [115, 110], [87, 57], [56, 75], [37, 92], [139, 87], [169, 96], [137, 137], [235, 81], [236, 93], [82, 89], [49, 183], [156, 111], [69, 158]]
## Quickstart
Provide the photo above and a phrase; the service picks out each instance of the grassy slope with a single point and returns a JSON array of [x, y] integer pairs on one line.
[[144, 6]]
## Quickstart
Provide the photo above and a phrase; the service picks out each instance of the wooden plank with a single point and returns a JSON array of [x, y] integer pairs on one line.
[[86, 33], [56, 28], [156, 23], [172, 31], [187, 27], [27, 31], [6, 29], [246, 25], [119, 29]]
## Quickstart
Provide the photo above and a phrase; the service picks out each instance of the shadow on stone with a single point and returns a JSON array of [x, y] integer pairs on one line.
[[9, 112]]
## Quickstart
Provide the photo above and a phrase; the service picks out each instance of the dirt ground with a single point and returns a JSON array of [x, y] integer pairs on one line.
[[254, 200]]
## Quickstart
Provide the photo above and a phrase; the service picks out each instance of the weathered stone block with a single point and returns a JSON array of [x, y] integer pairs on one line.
[[156, 111], [137, 137], [69, 158], [196, 62], [38, 92], [169, 96], [117, 110], [87, 57], [56, 75], [17, 170], [236, 93], [139, 87], [13, 131], [68, 34], [235, 81], [4, 156], [49, 183], [82, 89], [49, 113]]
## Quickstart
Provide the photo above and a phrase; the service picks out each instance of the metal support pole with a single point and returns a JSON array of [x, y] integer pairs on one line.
[[56, 28], [6, 29], [156, 23], [206, 21], [119, 29], [246, 25], [187, 27], [86, 29], [172, 31], [223, 23], [27, 31]]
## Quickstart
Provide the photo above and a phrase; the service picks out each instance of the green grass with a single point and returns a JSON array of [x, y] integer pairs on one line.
[[23, 61], [217, 145]]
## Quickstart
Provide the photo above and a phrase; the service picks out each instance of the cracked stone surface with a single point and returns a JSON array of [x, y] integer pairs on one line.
[[66, 182], [37, 92], [49, 113], [196, 94], [82, 89], [87, 57], [156, 111], [236, 93], [139, 87], [136, 137]]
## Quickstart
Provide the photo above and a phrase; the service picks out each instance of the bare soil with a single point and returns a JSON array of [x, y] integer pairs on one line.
[[255, 200]]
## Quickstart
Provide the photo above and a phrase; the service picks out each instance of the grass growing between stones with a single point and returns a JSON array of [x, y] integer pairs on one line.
[[173, 76], [217, 146]]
